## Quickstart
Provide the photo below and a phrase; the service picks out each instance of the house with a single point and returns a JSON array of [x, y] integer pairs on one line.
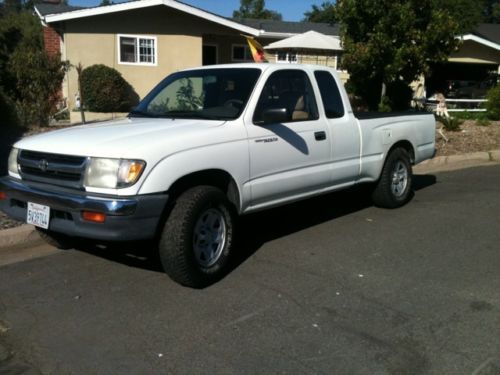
[[475, 64], [148, 39]]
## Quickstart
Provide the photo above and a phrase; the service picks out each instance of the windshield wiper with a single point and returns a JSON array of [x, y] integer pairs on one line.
[[138, 113], [189, 114]]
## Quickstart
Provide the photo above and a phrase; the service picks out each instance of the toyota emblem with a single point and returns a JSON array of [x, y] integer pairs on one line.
[[43, 165]]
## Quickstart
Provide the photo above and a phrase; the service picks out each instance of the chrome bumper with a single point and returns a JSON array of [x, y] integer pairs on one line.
[[127, 218]]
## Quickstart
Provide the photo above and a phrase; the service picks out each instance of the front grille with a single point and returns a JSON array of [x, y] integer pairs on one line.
[[61, 170]]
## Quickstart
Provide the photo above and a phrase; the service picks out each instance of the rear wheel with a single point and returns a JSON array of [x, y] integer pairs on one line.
[[394, 186], [197, 238], [58, 240]]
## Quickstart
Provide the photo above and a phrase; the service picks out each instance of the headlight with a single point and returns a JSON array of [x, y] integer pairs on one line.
[[13, 160], [113, 173]]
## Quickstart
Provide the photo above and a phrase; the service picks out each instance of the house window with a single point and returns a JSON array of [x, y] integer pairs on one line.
[[286, 57], [138, 50], [241, 52]]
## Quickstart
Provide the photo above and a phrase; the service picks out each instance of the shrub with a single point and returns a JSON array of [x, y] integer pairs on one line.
[[38, 81], [493, 103], [385, 105], [400, 95], [105, 90], [30, 80], [483, 122], [450, 123]]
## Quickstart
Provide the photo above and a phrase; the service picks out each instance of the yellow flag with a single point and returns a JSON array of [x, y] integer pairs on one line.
[[256, 49]]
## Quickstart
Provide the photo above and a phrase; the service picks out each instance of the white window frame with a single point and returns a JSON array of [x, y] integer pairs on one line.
[[287, 60], [246, 48], [137, 37]]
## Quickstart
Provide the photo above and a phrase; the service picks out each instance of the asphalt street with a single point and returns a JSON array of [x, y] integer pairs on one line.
[[331, 285]]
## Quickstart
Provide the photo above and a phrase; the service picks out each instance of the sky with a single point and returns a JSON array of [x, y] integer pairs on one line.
[[291, 10]]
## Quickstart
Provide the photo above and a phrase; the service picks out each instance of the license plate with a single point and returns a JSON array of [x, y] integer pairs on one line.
[[38, 215]]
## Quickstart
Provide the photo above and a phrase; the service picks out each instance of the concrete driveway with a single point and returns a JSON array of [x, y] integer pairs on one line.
[[330, 285]]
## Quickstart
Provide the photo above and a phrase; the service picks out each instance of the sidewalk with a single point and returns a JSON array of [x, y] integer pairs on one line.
[[454, 162], [26, 233]]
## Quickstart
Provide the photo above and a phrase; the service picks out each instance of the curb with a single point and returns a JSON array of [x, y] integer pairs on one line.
[[455, 162], [25, 233]]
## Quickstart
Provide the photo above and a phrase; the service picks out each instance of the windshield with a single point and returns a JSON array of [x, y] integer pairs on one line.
[[212, 94]]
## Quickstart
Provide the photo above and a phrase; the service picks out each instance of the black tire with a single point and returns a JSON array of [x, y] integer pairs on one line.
[[57, 240], [189, 255], [394, 188]]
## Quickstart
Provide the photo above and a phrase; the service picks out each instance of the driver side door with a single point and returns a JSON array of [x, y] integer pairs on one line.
[[288, 140]]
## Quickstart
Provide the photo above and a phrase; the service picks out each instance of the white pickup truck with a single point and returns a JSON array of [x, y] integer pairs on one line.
[[205, 146]]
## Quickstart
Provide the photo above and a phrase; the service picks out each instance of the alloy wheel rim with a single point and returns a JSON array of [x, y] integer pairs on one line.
[[209, 237], [399, 180]]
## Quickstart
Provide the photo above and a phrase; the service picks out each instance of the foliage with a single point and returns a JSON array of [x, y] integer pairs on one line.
[[324, 13], [388, 41], [467, 13], [105, 90], [483, 122], [256, 9], [467, 115], [38, 81], [385, 104], [450, 123], [186, 97], [29, 78], [105, 2], [493, 103], [491, 11]]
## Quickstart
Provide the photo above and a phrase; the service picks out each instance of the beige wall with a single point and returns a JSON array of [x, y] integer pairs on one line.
[[473, 52], [93, 40]]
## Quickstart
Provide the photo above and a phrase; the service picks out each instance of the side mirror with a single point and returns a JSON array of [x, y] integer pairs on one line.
[[275, 115]]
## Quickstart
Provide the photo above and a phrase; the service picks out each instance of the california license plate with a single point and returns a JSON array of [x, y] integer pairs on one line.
[[38, 215]]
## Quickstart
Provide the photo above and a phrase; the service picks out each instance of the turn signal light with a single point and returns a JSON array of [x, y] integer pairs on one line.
[[96, 217], [3, 196]]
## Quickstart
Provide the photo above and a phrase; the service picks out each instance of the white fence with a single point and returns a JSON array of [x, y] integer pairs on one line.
[[474, 105]]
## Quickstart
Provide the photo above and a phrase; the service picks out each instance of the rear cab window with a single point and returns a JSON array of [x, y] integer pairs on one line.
[[330, 94]]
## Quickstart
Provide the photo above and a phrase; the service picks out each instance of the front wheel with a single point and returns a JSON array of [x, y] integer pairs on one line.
[[197, 238], [394, 186]]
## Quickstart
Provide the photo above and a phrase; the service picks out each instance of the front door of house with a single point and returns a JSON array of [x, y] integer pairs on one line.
[[209, 55]]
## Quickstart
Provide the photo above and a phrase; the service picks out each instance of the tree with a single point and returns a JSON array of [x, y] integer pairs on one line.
[[390, 43], [467, 13], [30, 80], [105, 2], [491, 11], [324, 13], [256, 9]]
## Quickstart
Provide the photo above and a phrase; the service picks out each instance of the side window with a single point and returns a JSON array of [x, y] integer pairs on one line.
[[290, 90], [330, 94]]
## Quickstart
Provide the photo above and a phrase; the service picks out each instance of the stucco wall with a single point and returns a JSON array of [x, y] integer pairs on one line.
[[93, 40]]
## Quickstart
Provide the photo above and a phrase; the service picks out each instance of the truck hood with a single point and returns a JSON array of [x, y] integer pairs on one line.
[[128, 138]]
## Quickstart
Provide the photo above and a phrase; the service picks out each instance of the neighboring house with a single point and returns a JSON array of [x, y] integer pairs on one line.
[[149, 39], [310, 47], [471, 70]]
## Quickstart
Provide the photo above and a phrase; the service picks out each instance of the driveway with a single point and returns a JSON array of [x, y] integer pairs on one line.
[[330, 285]]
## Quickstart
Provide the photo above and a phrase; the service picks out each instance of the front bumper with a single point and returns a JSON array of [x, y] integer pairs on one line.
[[127, 218]]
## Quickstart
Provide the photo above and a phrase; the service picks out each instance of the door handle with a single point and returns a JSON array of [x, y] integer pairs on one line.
[[320, 136]]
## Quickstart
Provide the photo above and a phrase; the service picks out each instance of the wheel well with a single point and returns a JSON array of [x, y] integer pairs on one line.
[[212, 177], [405, 145]]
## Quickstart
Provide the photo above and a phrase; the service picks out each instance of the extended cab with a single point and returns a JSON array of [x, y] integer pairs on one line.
[[204, 146]]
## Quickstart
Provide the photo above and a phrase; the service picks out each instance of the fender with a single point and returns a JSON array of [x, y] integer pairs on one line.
[[231, 157]]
